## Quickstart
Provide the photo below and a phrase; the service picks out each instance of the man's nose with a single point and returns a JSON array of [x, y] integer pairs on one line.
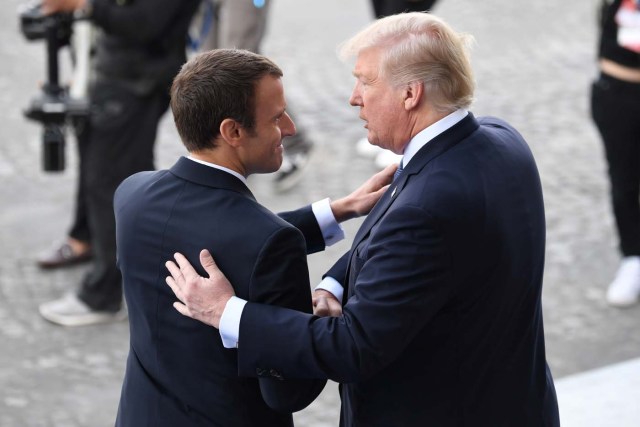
[[287, 127], [355, 99]]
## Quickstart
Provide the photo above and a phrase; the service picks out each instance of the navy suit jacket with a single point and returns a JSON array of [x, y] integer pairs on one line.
[[442, 324], [178, 373]]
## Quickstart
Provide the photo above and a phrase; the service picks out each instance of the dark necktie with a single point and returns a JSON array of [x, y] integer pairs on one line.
[[398, 171]]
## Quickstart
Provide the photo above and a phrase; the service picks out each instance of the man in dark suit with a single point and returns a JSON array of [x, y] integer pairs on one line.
[[229, 109], [442, 323]]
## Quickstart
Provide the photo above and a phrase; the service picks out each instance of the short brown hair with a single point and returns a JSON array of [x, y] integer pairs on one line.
[[214, 86]]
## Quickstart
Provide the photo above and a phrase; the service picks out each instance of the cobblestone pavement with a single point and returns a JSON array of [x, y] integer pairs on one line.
[[534, 63]]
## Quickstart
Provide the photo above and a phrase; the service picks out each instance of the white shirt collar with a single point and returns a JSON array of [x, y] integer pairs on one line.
[[222, 168], [426, 135]]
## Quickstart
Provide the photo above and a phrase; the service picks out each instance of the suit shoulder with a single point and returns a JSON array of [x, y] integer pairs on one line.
[[140, 178], [137, 181], [268, 220], [494, 126], [493, 121]]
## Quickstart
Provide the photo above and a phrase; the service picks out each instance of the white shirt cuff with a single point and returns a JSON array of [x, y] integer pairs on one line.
[[230, 322], [331, 230], [329, 284]]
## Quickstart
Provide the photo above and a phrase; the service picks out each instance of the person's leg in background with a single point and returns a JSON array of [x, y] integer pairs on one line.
[[76, 248], [242, 24], [616, 107], [123, 131], [205, 26], [384, 8]]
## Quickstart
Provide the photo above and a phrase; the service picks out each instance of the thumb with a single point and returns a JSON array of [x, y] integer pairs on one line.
[[207, 262]]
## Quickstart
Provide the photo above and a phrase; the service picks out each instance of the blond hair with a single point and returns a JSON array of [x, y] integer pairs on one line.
[[421, 47]]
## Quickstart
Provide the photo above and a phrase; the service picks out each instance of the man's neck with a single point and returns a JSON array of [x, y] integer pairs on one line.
[[434, 129], [214, 165], [425, 119], [217, 158]]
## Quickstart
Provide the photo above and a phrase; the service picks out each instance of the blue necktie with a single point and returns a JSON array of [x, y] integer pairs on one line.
[[398, 171]]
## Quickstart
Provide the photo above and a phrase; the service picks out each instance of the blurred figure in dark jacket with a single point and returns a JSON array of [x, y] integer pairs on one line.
[[140, 48]]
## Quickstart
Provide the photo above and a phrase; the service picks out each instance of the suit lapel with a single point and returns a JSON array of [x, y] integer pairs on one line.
[[430, 151], [211, 177]]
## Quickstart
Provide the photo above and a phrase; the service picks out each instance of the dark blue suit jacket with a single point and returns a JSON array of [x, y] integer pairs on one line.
[[178, 373], [443, 320]]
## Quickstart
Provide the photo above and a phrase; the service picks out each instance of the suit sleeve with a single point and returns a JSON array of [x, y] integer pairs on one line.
[[281, 278], [305, 221], [401, 284], [339, 271]]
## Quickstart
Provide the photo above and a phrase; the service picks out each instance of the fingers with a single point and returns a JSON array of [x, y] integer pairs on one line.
[[176, 280], [381, 191], [386, 175], [321, 307], [186, 268], [182, 309], [382, 178], [174, 287], [174, 270], [326, 304]]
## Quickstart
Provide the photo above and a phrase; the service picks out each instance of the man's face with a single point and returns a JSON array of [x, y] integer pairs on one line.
[[262, 152], [381, 104]]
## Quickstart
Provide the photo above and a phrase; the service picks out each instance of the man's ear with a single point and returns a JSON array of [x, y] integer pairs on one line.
[[231, 132], [413, 93]]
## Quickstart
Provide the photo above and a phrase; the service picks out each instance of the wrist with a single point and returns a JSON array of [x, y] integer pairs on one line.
[[216, 314], [342, 209]]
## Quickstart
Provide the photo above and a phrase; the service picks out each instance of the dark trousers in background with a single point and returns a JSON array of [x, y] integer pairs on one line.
[[615, 106], [80, 227], [118, 143], [382, 8]]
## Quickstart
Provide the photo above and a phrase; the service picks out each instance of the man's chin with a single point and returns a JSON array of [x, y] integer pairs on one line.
[[276, 166]]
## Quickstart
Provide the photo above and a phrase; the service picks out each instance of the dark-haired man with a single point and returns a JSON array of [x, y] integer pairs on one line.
[[230, 111]]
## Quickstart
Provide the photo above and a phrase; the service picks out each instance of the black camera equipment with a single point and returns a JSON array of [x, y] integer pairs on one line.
[[53, 106]]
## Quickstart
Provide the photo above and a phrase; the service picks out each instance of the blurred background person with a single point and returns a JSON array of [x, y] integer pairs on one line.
[[242, 24], [76, 247], [382, 8], [140, 47], [615, 107]]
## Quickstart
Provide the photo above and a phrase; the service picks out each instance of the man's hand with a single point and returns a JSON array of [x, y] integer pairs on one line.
[[362, 200], [52, 6], [326, 304], [201, 298]]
